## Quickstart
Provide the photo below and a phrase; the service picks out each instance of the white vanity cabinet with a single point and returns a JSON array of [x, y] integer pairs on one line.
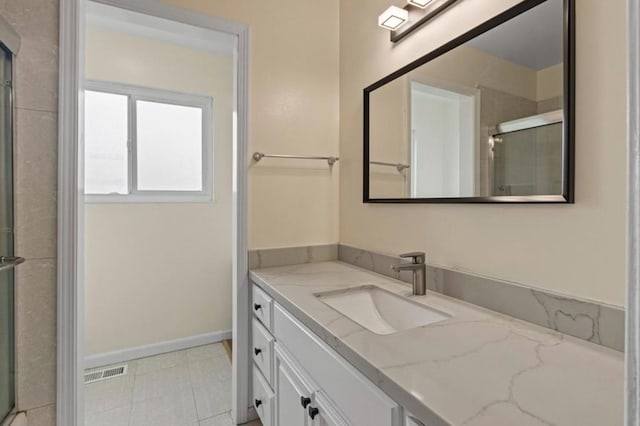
[[262, 347], [298, 401], [293, 393], [412, 421], [262, 306], [263, 398], [326, 413], [307, 383]]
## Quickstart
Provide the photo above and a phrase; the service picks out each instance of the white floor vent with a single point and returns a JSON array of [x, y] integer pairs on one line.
[[105, 373]]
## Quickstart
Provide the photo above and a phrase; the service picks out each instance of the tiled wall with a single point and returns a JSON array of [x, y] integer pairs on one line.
[[497, 107], [36, 75]]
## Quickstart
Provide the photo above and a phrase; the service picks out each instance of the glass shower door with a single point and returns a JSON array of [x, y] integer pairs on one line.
[[7, 259], [528, 161]]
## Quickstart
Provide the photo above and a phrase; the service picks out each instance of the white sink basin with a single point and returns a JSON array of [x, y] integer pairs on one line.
[[381, 311]]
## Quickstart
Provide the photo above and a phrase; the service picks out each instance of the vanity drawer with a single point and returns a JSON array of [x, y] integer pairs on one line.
[[263, 398], [355, 396], [262, 306], [262, 350]]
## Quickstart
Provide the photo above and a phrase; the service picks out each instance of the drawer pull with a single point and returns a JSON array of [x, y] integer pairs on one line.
[[305, 401], [257, 351], [258, 403], [257, 306], [313, 412]]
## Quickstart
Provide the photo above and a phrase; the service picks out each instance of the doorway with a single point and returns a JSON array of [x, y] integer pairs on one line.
[[155, 225], [157, 219], [442, 135]]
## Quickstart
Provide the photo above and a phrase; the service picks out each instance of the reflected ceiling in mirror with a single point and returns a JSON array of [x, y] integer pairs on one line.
[[485, 118]]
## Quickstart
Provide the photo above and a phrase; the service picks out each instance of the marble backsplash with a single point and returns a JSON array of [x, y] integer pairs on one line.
[[268, 258], [598, 323]]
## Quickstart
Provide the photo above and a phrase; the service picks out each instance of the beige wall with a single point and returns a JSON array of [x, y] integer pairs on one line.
[[550, 82], [148, 264], [466, 67], [293, 103], [573, 249], [389, 111]]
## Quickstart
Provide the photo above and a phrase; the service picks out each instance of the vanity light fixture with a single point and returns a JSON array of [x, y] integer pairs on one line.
[[401, 21], [393, 18], [419, 3]]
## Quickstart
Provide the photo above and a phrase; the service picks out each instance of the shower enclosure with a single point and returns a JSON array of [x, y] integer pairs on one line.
[[7, 259], [527, 156]]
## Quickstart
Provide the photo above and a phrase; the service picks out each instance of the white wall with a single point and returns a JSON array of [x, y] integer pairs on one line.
[[159, 272], [573, 249], [293, 109]]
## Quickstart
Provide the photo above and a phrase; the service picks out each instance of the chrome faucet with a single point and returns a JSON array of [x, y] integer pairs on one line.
[[419, 269]]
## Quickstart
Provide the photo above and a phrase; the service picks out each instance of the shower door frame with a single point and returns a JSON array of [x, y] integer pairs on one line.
[[11, 41], [632, 408], [70, 351]]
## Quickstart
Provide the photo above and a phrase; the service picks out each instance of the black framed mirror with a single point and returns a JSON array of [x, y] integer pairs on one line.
[[486, 118]]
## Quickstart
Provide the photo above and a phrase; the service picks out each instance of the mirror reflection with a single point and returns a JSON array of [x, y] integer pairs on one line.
[[484, 119]]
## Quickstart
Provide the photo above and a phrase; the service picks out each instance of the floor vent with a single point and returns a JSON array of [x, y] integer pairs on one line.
[[105, 373]]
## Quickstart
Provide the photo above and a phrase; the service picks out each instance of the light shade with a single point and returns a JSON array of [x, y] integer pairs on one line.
[[419, 3], [393, 18]]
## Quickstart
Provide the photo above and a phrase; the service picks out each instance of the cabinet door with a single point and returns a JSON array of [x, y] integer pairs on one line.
[[412, 421], [324, 413], [293, 393], [358, 398]]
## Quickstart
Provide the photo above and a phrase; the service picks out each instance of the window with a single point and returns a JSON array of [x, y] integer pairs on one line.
[[147, 145]]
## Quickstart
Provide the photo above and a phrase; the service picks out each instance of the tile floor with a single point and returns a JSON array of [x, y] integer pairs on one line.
[[185, 388]]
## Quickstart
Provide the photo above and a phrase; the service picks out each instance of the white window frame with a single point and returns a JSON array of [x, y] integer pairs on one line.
[[139, 93]]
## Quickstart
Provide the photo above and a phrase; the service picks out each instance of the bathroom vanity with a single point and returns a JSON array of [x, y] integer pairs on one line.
[[319, 358], [297, 377]]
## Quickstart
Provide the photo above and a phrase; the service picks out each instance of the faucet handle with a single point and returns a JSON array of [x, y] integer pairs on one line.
[[417, 257]]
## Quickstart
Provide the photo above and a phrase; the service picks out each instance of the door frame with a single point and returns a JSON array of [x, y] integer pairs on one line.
[[632, 409], [70, 339]]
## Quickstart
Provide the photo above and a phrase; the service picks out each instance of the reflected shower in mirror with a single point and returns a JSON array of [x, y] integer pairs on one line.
[[482, 121]]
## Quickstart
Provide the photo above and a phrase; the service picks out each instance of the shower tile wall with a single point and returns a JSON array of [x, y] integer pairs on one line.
[[529, 161], [497, 107], [550, 104], [36, 91]]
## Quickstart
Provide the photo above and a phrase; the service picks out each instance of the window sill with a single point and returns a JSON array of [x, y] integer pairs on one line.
[[150, 199]]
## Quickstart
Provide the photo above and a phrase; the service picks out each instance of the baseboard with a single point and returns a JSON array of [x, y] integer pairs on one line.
[[129, 354]]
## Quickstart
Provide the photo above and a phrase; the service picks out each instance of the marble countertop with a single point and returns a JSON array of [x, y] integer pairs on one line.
[[476, 368]]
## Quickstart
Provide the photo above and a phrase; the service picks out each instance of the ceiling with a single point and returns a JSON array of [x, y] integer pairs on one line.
[[141, 25], [533, 39]]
